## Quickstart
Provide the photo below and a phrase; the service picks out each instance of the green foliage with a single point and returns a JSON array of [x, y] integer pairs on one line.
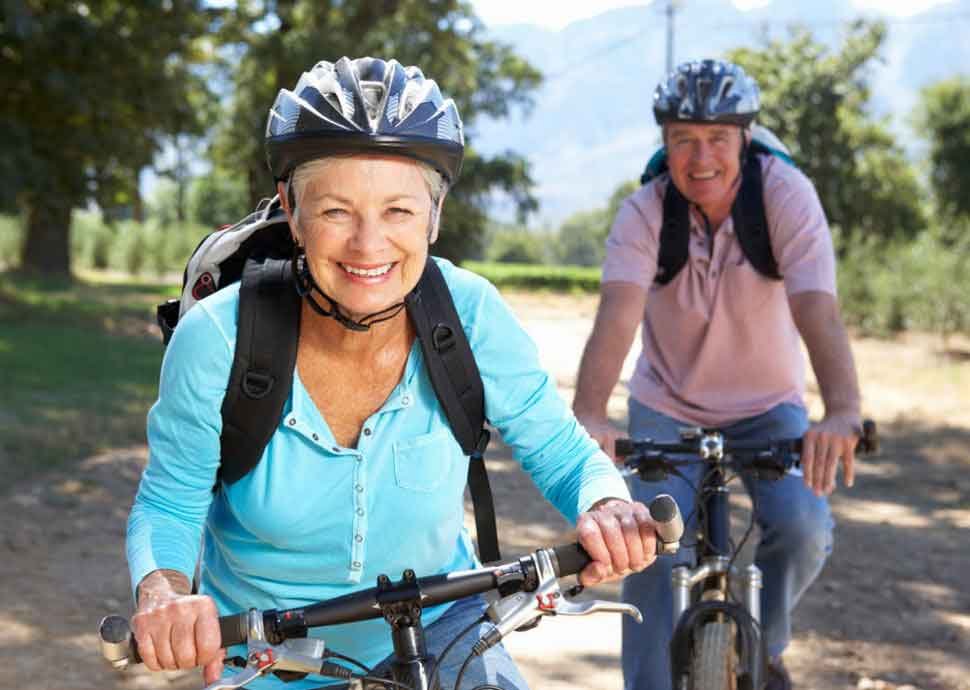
[[582, 236], [218, 198], [532, 277], [517, 246], [887, 287], [816, 102], [81, 119], [11, 239], [943, 116], [444, 38]]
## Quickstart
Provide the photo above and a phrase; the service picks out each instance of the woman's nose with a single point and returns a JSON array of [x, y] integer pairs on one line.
[[368, 235]]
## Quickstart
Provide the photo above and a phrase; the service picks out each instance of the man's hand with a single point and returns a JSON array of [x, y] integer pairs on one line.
[[620, 538], [603, 432], [823, 445]]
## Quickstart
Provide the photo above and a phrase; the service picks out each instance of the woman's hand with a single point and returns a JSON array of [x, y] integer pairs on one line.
[[177, 630], [619, 536]]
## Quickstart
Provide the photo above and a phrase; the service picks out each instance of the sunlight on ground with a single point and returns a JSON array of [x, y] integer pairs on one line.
[[16, 632], [878, 512]]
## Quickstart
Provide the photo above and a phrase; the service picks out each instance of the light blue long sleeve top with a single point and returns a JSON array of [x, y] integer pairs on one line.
[[315, 520]]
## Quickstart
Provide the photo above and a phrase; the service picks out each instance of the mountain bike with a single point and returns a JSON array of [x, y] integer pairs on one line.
[[717, 642], [528, 589]]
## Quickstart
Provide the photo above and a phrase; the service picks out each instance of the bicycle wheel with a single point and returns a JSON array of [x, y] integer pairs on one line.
[[713, 664]]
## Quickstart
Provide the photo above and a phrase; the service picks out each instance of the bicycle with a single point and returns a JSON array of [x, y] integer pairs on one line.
[[528, 589], [717, 642]]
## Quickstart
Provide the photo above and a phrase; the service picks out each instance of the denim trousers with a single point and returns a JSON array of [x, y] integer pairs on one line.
[[494, 667], [796, 538]]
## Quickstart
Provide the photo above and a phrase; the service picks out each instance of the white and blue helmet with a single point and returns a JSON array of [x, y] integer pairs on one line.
[[707, 92], [365, 105]]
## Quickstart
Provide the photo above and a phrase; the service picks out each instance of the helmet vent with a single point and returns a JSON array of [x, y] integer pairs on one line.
[[373, 94]]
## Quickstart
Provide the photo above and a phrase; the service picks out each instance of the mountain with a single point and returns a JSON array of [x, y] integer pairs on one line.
[[592, 127]]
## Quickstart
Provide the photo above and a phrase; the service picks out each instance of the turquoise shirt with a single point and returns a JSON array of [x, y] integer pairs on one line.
[[315, 520]]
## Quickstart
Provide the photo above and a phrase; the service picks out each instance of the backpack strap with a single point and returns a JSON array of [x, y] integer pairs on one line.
[[458, 385], [262, 366], [674, 235], [750, 221]]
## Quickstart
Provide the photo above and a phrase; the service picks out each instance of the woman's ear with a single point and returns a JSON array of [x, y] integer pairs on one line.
[[436, 218], [285, 203]]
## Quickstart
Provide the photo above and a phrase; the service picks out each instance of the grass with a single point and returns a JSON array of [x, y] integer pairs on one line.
[[80, 363]]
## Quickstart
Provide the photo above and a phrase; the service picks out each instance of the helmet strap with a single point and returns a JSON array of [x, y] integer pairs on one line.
[[306, 285]]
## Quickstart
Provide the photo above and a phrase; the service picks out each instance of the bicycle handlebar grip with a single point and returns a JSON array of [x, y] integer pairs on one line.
[[233, 629], [623, 447], [670, 523], [571, 559]]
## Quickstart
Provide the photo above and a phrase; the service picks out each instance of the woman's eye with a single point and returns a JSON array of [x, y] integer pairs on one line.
[[335, 213], [398, 211]]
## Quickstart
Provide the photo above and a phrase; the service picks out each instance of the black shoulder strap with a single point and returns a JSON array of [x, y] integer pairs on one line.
[[751, 222], [262, 367], [674, 235], [458, 384]]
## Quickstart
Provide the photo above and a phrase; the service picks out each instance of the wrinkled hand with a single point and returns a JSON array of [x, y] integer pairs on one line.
[[176, 631], [603, 432], [823, 445], [620, 538]]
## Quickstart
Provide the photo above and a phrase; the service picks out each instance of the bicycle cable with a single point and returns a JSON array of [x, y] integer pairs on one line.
[[437, 664], [348, 659], [461, 673]]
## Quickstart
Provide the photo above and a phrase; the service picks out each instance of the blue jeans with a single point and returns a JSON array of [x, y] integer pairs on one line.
[[796, 537], [495, 666]]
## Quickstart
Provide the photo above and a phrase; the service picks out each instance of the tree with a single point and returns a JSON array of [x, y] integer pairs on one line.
[[218, 198], [943, 116], [444, 38], [582, 236], [816, 102], [90, 90]]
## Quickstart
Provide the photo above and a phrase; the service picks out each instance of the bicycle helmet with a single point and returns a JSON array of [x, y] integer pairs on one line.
[[709, 91], [364, 105]]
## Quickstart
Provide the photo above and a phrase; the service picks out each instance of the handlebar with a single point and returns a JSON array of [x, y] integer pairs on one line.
[[522, 575], [711, 445]]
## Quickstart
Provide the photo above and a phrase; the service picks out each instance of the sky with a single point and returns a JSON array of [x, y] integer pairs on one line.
[[555, 14]]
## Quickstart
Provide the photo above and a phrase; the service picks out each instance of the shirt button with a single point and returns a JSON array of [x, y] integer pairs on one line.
[[360, 511], [406, 400], [292, 422], [359, 488], [316, 438], [336, 449], [366, 431], [360, 459], [358, 538], [356, 565]]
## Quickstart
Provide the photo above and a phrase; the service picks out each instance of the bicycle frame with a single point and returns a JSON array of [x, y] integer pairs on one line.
[[712, 572]]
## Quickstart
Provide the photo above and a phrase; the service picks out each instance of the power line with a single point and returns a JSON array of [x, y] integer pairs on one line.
[[754, 24]]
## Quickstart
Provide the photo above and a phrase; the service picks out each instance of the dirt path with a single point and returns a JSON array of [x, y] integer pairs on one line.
[[891, 609]]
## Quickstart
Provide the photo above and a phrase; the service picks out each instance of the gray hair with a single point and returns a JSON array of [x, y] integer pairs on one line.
[[434, 180]]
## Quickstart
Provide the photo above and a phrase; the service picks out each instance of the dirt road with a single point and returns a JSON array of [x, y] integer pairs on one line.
[[891, 609]]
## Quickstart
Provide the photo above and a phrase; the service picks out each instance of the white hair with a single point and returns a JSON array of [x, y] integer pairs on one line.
[[434, 180]]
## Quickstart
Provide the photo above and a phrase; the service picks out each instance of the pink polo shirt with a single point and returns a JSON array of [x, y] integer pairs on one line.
[[719, 341]]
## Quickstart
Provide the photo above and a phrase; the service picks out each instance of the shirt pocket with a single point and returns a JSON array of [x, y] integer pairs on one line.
[[423, 463]]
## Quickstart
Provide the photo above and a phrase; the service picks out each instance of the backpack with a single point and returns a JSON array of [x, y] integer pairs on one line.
[[748, 211], [257, 252]]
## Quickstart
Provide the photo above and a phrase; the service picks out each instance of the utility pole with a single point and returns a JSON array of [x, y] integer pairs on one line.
[[670, 10]]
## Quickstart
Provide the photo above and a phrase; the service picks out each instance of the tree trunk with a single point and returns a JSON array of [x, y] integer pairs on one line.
[[47, 251]]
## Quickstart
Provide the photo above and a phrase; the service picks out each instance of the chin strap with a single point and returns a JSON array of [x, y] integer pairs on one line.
[[306, 285]]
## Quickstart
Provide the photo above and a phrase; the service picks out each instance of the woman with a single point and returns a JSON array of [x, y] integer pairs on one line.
[[363, 475]]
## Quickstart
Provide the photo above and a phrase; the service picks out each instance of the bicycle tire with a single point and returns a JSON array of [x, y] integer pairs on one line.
[[714, 660]]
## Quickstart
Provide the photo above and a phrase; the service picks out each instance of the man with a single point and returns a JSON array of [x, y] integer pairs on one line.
[[721, 330]]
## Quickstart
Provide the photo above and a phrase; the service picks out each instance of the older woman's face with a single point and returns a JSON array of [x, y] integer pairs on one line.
[[364, 222]]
